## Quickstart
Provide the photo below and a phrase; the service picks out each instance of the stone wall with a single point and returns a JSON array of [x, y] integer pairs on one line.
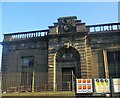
[[12, 61]]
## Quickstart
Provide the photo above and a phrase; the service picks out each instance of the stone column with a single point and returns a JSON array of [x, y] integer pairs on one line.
[[105, 63]]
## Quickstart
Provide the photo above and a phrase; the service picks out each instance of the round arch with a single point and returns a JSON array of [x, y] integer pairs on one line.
[[67, 63], [66, 54]]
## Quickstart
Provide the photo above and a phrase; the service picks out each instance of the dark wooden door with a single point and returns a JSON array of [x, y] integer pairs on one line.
[[67, 78]]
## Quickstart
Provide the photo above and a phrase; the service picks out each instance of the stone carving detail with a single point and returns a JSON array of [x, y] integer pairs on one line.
[[67, 24]]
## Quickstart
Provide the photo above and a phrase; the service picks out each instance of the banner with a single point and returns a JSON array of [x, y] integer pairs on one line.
[[116, 85], [102, 85], [84, 85]]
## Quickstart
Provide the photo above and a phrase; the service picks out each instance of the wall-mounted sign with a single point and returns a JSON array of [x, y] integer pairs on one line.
[[102, 85], [84, 85], [116, 85]]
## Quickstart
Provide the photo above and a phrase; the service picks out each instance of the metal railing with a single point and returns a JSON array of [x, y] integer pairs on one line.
[[18, 82]]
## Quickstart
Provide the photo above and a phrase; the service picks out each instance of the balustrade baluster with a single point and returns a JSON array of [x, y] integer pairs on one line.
[[94, 29], [44, 33], [100, 28], [118, 27], [34, 34], [24, 35], [37, 34], [103, 28], [14, 37], [21, 36], [111, 27], [28, 35], [18, 36]]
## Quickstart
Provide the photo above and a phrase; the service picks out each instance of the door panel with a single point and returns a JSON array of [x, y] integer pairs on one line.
[[67, 78]]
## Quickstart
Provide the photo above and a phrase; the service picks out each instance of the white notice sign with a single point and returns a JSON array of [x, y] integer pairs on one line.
[[102, 85], [84, 85], [116, 85]]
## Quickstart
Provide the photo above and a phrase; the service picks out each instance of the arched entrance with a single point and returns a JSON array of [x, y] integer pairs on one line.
[[68, 67]]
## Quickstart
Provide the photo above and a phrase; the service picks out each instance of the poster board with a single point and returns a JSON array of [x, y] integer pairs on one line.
[[116, 85], [102, 85], [84, 85]]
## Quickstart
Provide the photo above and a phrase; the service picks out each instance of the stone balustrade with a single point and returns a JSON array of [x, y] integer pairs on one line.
[[103, 27], [25, 35]]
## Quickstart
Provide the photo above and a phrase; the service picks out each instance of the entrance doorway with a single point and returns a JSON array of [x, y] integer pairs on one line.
[[67, 78], [68, 64]]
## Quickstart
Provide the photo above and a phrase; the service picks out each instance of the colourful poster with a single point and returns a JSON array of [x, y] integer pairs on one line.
[[102, 85], [84, 85], [116, 85]]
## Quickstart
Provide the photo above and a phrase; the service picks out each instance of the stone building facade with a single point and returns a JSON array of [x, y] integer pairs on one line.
[[69, 48]]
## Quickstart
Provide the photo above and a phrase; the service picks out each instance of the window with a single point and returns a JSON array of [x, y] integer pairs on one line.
[[114, 64], [28, 62]]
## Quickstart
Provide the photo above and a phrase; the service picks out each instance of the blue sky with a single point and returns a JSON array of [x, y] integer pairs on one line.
[[32, 16], [26, 16]]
